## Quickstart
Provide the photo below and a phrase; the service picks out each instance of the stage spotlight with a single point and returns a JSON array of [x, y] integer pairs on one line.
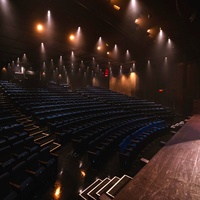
[[40, 27], [71, 37], [98, 48], [137, 21], [116, 7]]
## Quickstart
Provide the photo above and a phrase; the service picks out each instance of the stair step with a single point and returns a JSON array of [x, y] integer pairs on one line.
[[27, 125], [45, 129], [44, 141], [21, 119], [27, 122], [84, 193], [32, 129], [40, 136], [92, 194], [17, 113], [36, 133], [107, 186], [54, 146], [117, 187]]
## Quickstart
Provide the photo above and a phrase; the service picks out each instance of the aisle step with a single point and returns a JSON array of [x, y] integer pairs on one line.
[[54, 146], [36, 133], [40, 136], [84, 193], [92, 194], [117, 187], [32, 129], [107, 186]]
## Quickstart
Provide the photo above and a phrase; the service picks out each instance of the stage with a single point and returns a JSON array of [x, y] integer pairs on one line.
[[174, 172]]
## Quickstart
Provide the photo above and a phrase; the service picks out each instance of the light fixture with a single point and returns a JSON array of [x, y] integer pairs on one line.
[[71, 37], [40, 27], [116, 7], [137, 21]]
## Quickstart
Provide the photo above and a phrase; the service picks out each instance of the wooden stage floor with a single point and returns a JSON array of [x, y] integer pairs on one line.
[[174, 172]]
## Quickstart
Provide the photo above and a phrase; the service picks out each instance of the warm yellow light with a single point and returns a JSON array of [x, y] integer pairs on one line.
[[71, 37], [83, 174], [98, 48], [108, 53], [116, 7], [40, 27], [137, 21], [57, 193]]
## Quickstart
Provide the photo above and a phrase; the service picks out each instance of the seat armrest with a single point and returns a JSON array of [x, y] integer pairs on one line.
[[14, 185]]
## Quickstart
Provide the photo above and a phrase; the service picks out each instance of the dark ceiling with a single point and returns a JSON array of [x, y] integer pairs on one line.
[[179, 20]]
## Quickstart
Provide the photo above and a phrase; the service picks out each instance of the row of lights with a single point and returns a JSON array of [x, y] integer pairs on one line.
[[139, 21], [100, 46]]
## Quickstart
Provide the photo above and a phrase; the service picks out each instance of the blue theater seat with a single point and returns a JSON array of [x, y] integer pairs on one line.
[[19, 151], [35, 169], [7, 193], [6, 159], [48, 160], [30, 145], [22, 182]]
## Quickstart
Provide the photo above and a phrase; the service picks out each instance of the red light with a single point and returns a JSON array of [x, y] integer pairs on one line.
[[106, 73], [161, 90]]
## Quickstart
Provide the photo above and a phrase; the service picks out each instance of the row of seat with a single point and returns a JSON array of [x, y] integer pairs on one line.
[[60, 119], [127, 103], [102, 146], [24, 177], [90, 120], [130, 147], [97, 128], [67, 113], [16, 152], [11, 133]]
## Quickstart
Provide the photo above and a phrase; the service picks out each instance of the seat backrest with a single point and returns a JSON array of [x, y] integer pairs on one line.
[[32, 162], [29, 141], [18, 145], [4, 184], [5, 153], [44, 153], [19, 172]]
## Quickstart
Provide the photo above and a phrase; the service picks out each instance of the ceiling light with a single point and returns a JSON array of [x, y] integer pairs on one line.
[[116, 7], [40, 27], [137, 21], [71, 37]]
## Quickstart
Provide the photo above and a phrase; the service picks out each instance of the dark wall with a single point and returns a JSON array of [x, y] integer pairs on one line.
[[175, 85]]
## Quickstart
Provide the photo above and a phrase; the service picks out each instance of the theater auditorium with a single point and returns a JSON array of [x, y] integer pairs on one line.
[[99, 100]]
